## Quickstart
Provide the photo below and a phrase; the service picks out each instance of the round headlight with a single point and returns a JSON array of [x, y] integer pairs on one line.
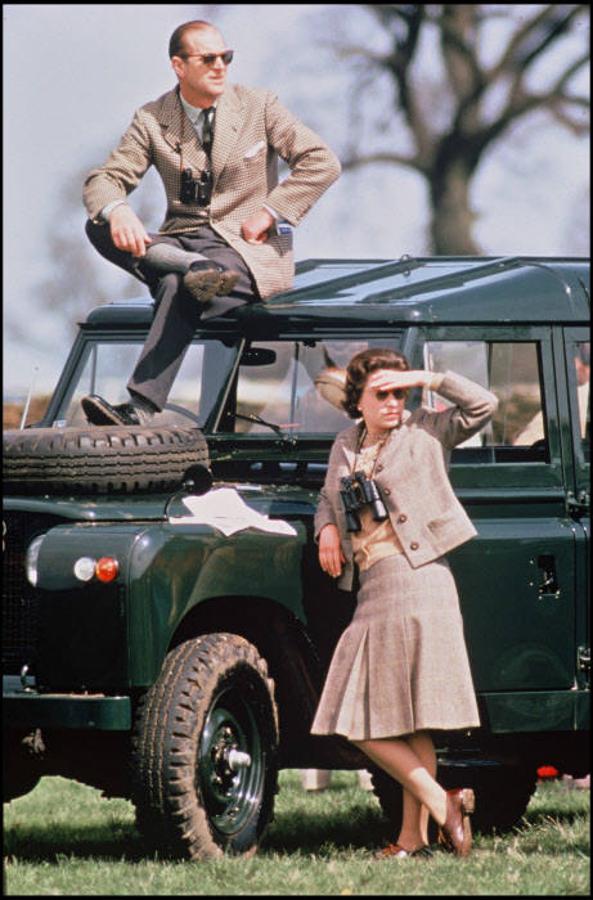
[[32, 558], [84, 568]]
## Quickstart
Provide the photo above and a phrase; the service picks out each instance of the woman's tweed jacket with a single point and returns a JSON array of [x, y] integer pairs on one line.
[[412, 474], [252, 130]]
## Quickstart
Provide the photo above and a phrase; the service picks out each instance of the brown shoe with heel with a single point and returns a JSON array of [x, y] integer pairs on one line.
[[456, 833]]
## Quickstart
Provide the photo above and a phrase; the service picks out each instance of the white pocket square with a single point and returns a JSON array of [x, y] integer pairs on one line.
[[253, 151]]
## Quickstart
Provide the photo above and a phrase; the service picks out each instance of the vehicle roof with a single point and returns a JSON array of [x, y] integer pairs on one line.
[[469, 290]]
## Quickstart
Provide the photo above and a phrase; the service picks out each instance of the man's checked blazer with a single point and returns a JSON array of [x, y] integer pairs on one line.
[[252, 131]]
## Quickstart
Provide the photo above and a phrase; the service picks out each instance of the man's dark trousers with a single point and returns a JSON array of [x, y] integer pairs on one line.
[[176, 313]]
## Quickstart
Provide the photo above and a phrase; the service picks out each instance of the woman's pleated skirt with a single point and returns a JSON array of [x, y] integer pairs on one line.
[[401, 665]]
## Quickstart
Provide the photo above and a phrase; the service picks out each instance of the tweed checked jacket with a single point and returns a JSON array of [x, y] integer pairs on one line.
[[252, 129], [411, 473]]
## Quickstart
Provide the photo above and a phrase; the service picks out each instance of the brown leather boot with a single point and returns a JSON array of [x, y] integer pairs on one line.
[[456, 833]]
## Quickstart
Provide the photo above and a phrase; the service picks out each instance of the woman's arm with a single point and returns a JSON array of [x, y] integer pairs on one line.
[[473, 407], [331, 555], [473, 404]]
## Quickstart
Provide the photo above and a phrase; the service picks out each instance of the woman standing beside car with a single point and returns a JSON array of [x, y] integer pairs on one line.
[[387, 509]]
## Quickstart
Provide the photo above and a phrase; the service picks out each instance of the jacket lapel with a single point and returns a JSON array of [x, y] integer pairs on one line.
[[228, 122], [179, 132], [398, 440]]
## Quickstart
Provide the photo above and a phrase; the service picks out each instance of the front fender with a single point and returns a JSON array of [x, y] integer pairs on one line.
[[176, 567]]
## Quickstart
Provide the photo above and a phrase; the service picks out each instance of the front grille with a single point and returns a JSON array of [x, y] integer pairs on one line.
[[20, 601]]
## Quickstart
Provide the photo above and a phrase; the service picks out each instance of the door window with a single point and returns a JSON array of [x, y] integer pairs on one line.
[[582, 366], [512, 372]]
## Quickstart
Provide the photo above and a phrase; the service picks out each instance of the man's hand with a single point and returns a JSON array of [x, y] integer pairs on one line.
[[127, 231], [255, 229], [331, 555]]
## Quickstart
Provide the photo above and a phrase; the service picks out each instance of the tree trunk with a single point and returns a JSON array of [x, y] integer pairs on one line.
[[452, 217]]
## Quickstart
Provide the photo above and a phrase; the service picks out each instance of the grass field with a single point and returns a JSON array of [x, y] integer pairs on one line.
[[64, 839]]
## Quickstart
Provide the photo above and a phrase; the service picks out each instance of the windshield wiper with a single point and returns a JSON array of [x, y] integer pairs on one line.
[[259, 421]]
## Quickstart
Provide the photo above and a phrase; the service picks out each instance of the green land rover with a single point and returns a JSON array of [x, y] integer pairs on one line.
[[166, 623]]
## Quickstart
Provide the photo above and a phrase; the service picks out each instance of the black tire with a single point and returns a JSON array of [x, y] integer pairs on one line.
[[502, 792], [21, 767], [213, 696], [101, 460], [17, 783]]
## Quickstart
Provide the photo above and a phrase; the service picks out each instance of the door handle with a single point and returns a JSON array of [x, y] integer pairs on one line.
[[548, 581]]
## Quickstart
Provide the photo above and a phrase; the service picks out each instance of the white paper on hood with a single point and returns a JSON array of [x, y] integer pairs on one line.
[[225, 510]]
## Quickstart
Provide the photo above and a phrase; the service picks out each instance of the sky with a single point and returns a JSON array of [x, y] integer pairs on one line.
[[73, 77]]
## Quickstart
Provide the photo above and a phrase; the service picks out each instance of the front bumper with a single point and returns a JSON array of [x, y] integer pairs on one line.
[[23, 707]]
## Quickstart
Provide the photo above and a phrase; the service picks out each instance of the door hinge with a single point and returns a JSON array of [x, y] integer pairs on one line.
[[584, 659], [579, 504]]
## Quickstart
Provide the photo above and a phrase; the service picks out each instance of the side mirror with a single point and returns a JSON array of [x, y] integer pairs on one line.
[[258, 356]]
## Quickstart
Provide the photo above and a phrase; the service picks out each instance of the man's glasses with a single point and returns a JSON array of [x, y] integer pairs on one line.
[[209, 59]]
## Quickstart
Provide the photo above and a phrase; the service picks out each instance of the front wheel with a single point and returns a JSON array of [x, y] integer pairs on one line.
[[205, 769]]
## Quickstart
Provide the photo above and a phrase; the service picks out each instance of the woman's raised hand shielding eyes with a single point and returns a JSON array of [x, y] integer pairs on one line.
[[395, 379]]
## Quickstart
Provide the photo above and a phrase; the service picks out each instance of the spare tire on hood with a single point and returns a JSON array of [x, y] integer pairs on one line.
[[99, 460]]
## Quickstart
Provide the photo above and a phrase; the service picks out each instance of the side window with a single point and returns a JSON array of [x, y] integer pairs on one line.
[[517, 430], [582, 364]]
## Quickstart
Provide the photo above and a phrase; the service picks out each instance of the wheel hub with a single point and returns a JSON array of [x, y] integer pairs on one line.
[[226, 757], [229, 768]]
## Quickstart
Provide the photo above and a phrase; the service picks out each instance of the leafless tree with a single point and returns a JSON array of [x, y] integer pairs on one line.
[[449, 127]]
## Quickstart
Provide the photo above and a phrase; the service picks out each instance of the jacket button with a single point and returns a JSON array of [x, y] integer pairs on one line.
[[386, 491], [402, 518], [414, 545]]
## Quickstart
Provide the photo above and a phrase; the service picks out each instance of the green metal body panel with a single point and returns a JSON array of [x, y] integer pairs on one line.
[[538, 712], [176, 567]]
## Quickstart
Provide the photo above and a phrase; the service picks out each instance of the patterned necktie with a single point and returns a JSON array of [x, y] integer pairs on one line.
[[207, 129]]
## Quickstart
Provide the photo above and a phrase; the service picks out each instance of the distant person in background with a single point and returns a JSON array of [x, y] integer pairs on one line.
[[321, 408], [534, 430], [226, 239], [320, 779]]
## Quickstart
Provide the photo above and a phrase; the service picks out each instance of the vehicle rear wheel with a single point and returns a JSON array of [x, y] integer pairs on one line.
[[21, 766], [502, 792], [97, 460], [204, 759]]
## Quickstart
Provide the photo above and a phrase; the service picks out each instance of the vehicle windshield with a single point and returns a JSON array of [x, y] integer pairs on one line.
[[105, 367], [286, 387]]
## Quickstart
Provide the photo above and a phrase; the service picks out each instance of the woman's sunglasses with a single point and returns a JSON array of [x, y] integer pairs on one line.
[[398, 393]]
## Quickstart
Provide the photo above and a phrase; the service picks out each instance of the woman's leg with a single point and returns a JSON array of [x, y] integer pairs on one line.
[[414, 828], [414, 767]]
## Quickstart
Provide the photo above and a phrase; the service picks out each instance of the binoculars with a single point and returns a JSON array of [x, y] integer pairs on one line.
[[358, 492], [194, 190]]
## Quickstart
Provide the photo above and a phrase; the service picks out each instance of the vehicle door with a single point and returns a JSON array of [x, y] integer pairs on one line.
[[517, 577]]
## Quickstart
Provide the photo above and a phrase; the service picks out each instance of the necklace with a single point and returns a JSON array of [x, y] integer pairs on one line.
[[372, 439]]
